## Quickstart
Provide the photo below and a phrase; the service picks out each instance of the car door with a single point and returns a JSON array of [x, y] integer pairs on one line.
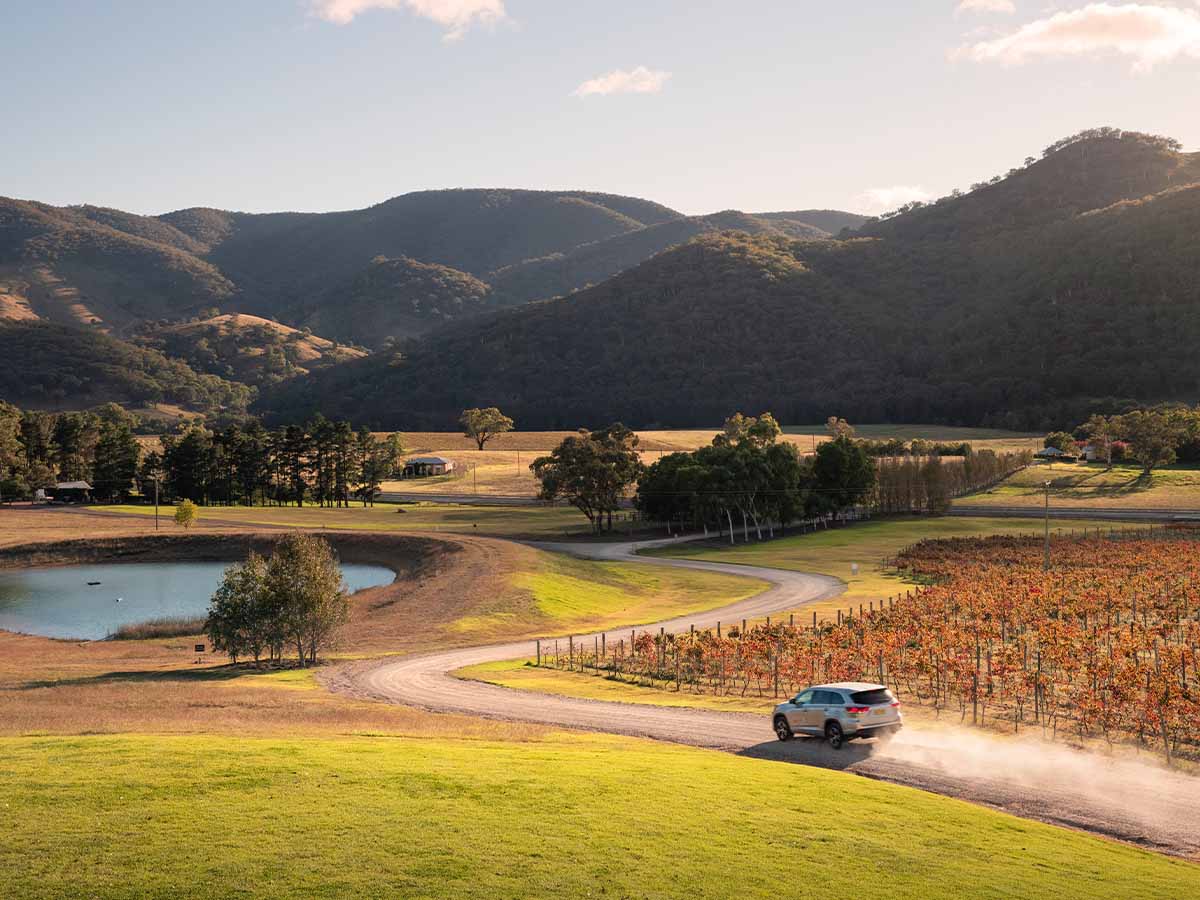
[[826, 705], [796, 711]]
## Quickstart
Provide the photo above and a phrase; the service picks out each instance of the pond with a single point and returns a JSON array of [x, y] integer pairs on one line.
[[90, 602]]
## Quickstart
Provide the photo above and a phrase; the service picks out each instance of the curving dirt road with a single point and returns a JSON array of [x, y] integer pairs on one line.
[[1131, 801]]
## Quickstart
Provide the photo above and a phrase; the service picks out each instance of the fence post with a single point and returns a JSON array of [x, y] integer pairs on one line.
[[814, 620], [571, 653], [539, 653], [791, 620]]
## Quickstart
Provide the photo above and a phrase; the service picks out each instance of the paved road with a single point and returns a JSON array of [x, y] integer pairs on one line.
[[1128, 801]]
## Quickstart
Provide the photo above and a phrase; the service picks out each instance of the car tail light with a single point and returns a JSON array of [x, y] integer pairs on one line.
[[857, 710], [896, 703]]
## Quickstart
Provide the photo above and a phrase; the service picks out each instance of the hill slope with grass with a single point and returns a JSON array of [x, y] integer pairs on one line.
[[1008, 307], [247, 349]]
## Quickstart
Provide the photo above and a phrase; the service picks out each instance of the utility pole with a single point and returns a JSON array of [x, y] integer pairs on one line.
[[1046, 559]]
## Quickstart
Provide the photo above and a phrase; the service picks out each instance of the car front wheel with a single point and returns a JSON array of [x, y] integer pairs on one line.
[[835, 735], [783, 730]]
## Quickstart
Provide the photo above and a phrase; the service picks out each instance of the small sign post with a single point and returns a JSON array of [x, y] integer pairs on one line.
[[199, 653]]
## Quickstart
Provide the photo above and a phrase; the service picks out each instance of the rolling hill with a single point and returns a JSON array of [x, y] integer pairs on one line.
[[1072, 284], [244, 348]]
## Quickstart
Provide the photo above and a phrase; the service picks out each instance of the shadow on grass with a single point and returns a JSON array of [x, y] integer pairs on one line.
[[160, 676], [811, 751]]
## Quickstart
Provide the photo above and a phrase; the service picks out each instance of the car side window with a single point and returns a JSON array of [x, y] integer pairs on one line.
[[805, 697], [829, 698]]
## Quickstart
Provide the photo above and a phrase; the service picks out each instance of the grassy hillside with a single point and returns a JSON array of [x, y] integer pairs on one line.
[[942, 316], [565, 815], [247, 349], [49, 366]]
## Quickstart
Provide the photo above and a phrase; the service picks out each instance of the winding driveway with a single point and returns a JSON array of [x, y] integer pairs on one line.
[[1126, 800]]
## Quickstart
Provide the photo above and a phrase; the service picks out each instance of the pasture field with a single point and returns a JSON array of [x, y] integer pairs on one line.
[[563, 815], [1079, 485], [535, 522], [503, 468]]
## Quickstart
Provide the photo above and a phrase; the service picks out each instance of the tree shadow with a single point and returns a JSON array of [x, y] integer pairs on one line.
[[159, 676], [1074, 487]]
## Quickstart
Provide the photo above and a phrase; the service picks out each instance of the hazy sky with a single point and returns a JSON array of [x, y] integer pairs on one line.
[[154, 105]]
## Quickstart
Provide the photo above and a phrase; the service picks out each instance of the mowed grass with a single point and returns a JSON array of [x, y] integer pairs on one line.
[[499, 521], [867, 544], [524, 675], [1079, 485], [573, 595], [571, 816]]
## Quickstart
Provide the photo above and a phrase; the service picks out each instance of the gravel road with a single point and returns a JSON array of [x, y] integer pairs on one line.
[[1128, 800]]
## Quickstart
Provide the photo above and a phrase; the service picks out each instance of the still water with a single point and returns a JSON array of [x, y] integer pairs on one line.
[[60, 602]]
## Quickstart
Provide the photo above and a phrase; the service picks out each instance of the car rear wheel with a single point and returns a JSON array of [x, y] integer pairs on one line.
[[783, 730], [835, 736]]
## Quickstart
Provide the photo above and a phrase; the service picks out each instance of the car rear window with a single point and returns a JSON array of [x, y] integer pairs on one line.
[[873, 697]]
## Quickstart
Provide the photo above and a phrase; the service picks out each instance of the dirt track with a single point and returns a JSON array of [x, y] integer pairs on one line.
[[1131, 801]]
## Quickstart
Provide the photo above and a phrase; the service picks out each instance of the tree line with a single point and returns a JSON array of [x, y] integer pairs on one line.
[[1153, 437], [748, 479], [323, 462], [39, 449]]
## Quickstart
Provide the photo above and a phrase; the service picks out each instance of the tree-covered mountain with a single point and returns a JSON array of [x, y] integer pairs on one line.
[[76, 266], [1071, 284], [46, 365], [369, 276]]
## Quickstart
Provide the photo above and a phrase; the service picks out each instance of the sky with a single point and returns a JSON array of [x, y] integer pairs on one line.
[[758, 105]]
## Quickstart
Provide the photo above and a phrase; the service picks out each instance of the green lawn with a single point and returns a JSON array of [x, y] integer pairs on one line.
[[546, 522], [569, 816], [1075, 484], [569, 595], [522, 675], [836, 551]]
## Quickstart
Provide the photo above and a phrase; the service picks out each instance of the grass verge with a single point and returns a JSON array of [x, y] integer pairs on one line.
[[567, 816]]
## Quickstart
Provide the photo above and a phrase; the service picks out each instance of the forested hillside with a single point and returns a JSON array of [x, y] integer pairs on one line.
[[1062, 288], [446, 255], [44, 365]]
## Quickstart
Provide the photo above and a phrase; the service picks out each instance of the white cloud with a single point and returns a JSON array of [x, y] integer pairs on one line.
[[620, 81], [987, 6], [1145, 33], [885, 199], [456, 16]]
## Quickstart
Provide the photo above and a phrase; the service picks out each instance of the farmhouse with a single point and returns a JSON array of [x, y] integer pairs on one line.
[[424, 466], [1053, 454], [71, 492]]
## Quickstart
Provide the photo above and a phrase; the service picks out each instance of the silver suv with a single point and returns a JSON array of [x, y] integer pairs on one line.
[[839, 712]]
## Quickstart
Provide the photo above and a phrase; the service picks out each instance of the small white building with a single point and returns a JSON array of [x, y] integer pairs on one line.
[[425, 466]]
